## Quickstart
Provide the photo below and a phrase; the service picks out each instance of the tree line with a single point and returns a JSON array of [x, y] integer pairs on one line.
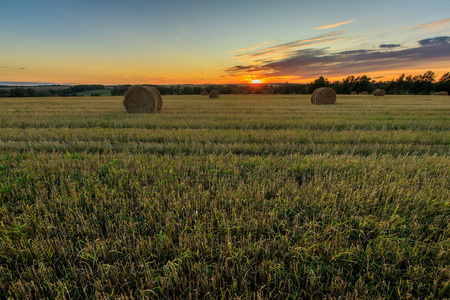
[[423, 84]]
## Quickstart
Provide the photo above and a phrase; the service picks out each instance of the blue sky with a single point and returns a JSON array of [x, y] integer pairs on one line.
[[200, 41]]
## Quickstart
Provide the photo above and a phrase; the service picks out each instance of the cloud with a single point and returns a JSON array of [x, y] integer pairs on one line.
[[389, 46], [12, 68], [334, 25], [245, 49], [287, 49], [255, 47], [309, 63], [432, 25], [435, 41]]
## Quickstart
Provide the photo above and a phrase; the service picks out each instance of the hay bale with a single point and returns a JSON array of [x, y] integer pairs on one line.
[[379, 92], [214, 94], [204, 93], [323, 95], [157, 94], [354, 93], [140, 99], [364, 93], [441, 93]]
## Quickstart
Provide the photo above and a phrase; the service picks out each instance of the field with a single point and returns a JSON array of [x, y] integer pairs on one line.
[[248, 197]]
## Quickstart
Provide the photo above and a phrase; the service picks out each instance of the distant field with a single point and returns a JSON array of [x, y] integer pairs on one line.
[[249, 197]]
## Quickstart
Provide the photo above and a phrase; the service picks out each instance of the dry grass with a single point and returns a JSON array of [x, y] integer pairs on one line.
[[250, 197]]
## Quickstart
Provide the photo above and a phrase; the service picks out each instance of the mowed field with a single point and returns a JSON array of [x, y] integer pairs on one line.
[[246, 197]]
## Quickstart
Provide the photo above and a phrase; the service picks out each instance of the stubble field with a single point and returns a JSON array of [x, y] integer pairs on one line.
[[238, 197]]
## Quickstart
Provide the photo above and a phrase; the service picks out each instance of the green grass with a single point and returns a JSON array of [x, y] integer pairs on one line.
[[239, 197]]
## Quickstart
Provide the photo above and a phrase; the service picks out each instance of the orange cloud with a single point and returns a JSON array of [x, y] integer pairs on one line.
[[432, 25], [251, 48], [334, 25], [245, 49]]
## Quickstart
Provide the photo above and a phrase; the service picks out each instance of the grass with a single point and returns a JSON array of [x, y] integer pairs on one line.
[[244, 197]]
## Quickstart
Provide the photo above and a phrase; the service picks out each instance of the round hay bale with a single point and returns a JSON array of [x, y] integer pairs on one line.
[[204, 93], [441, 93], [140, 99], [214, 94], [354, 93], [364, 93], [379, 92], [323, 95], [157, 94]]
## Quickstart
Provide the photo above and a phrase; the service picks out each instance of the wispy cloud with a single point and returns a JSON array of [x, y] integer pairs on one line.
[[255, 47], [245, 49], [440, 24], [287, 49], [334, 25]]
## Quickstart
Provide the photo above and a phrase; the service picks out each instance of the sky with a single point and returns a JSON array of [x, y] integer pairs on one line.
[[227, 41]]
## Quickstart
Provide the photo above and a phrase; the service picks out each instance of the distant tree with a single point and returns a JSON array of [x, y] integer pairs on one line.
[[444, 83], [119, 90], [18, 92], [196, 90], [30, 92], [318, 83], [363, 84], [423, 84], [187, 90]]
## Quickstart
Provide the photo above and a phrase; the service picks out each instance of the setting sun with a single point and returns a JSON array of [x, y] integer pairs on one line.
[[256, 81]]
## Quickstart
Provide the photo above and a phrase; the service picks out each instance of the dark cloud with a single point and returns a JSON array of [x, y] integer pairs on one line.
[[13, 68], [389, 46], [309, 63], [435, 41], [246, 69]]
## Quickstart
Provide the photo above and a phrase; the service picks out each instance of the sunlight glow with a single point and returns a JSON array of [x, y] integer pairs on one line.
[[256, 81]]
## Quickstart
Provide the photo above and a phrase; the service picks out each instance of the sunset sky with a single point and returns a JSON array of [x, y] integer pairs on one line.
[[206, 41]]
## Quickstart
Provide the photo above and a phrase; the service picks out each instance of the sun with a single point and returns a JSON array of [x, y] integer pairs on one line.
[[256, 81]]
